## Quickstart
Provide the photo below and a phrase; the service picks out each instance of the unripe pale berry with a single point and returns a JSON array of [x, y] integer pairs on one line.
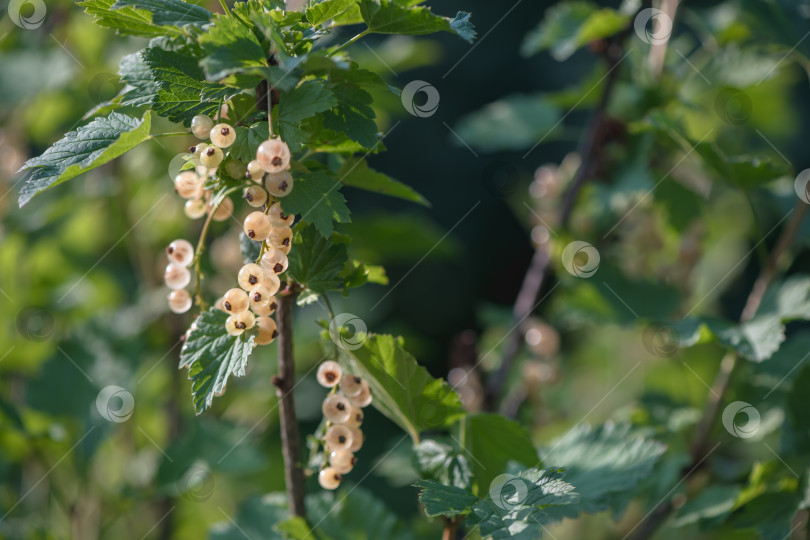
[[271, 281], [256, 196], [265, 309], [278, 218], [195, 208], [355, 417], [363, 398], [338, 437], [180, 252], [233, 327], [188, 185], [219, 304], [179, 301], [176, 277], [279, 184], [250, 275], [199, 148], [211, 157], [329, 478], [267, 330], [273, 155], [336, 408], [280, 238], [275, 261], [235, 169], [224, 210], [246, 319], [255, 170], [223, 135], [201, 126], [357, 439], [329, 373], [342, 461], [257, 226], [351, 385], [235, 301], [260, 296]]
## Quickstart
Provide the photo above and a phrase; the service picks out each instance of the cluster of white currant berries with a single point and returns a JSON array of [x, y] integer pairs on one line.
[[177, 276], [342, 410]]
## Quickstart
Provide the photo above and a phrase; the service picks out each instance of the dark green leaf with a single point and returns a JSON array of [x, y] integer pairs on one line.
[[169, 12], [353, 513], [248, 140], [212, 356], [86, 148], [305, 101], [443, 500], [231, 48], [140, 87], [444, 462], [319, 13], [315, 261], [317, 199], [127, 20], [756, 340], [355, 172], [389, 17], [353, 115], [709, 509], [257, 517], [250, 249]]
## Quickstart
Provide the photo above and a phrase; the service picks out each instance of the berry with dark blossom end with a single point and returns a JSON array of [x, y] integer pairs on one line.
[[222, 135], [351, 385], [273, 155], [250, 275], [235, 301], [336, 408], [275, 261], [211, 157], [195, 208], [201, 126], [180, 252], [278, 218], [257, 226], [280, 238], [357, 439], [329, 373], [338, 437], [279, 184], [363, 398], [179, 301], [267, 331], [329, 478], [256, 196]]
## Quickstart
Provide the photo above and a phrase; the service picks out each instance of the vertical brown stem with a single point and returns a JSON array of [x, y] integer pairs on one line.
[[285, 381], [450, 527]]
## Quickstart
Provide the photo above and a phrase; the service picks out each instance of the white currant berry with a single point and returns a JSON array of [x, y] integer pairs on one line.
[[250, 275], [245, 319], [223, 135], [198, 150], [256, 196], [219, 304], [336, 408], [342, 461], [267, 330], [201, 126], [176, 277], [233, 326], [279, 184], [195, 208], [275, 261], [180, 252], [235, 169], [351, 385], [224, 210], [255, 171], [211, 157], [273, 155], [257, 226], [329, 373], [271, 281], [338, 437], [357, 439], [355, 417], [235, 301], [280, 238], [188, 185], [179, 301], [260, 296], [363, 398], [278, 218], [329, 478]]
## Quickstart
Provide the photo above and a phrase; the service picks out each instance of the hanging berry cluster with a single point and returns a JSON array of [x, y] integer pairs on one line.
[[343, 415]]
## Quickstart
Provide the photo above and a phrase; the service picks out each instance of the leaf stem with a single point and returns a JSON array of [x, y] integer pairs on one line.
[[201, 247], [362, 34], [225, 8], [170, 134]]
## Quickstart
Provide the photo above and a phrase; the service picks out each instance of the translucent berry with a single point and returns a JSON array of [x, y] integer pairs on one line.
[[355, 417], [351, 385], [179, 301], [246, 319], [250, 275], [279, 184], [338, 437], [233, 327], [211, 157], [342, 461], [363, 398], [271, 281], [267, 330], [280, 238], [255, 171], [235, 168], [201, 126], [199, 148], [357, 439], [176, 277], [188, 185], [256, 196], [336, 408], [180, 252], [329, 373], [257, 226], [260, 296], [278, 218], [265, 309], [219, 304], [273, 155], [235, 301], [329, 478], [195, 208], [223, 135], [275, 261], [224, 210]]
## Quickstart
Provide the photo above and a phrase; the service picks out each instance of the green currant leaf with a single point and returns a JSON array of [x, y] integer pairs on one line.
[[403, 390], [443, 500], [248, 140], [127, 20], [250, 248], [569, 26], [520, 505], [305, 101], [493, 441], [353, 513], [319, 13], [212, 356], [86, 148], [317, 199], [140, 87], [444, 462], [355, 172], [353, 115], [256, 517], [231, 47], [169, 12], [389, 17], [315, 261], [709, 509], [757, 339]]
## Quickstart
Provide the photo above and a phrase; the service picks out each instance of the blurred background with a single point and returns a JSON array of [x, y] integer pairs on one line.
[[83, 305]]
